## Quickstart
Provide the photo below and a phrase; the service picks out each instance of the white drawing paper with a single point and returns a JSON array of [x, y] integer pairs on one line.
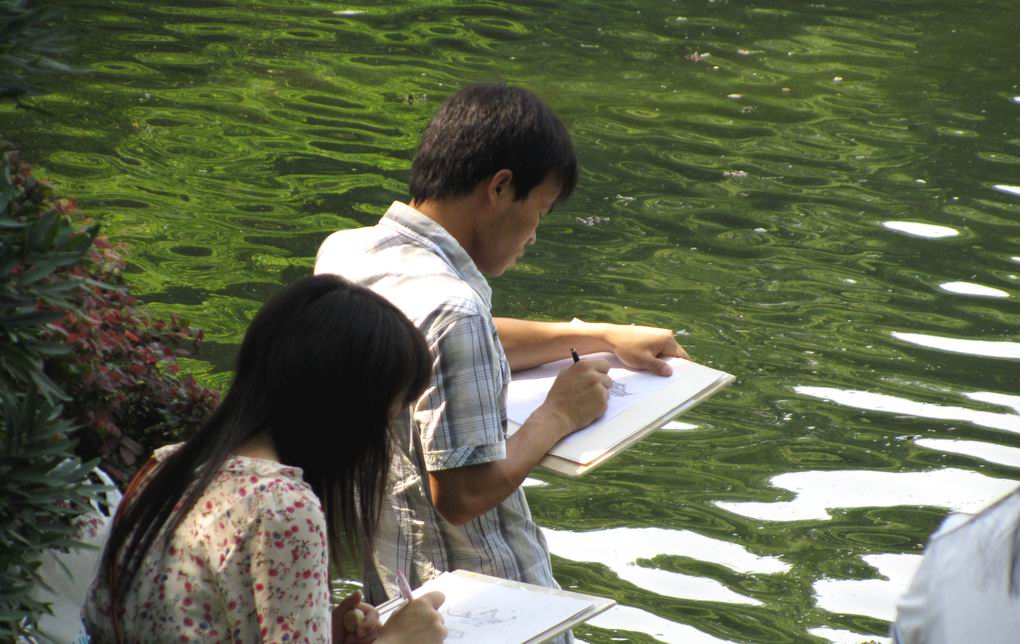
[[528, 390], [478, 611]]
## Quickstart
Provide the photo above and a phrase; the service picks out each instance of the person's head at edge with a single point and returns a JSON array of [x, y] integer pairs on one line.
[[319, 372], [499, 155]]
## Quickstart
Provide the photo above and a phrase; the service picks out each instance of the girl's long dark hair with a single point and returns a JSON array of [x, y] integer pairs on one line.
[[321, 369]]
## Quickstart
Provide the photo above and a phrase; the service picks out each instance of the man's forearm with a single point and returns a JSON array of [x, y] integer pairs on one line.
[[528, 343], [463, 493]]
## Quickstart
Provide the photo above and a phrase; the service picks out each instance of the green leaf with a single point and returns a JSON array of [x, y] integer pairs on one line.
[[29, 318], [77, 241], [40, 233], [39, 270], [47, 387], [8, 264], [46, 348]]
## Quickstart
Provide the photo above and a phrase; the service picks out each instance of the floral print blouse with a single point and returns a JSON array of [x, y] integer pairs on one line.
[[249, 563]]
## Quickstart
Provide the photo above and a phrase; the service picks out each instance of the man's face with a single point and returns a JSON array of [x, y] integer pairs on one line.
[[512, 228]]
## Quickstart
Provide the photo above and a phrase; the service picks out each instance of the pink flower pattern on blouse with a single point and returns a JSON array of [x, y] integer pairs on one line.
[[249, 563]]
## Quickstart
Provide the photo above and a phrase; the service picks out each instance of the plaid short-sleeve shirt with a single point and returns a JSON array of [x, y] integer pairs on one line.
[[460, 420]]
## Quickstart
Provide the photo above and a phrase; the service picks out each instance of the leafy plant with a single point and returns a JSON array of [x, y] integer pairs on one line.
[[125, 386], [84, 373], [42, 484]]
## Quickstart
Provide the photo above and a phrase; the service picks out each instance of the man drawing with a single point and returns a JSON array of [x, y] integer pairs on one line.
[[493, 161]]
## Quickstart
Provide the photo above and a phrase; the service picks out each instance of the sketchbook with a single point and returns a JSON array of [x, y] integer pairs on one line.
[[480, 608], [639, 403]]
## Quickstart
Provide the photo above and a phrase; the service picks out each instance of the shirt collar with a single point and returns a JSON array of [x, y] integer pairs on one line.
[[415, 225]]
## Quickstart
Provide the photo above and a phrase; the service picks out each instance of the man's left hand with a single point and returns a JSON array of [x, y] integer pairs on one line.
[[644, 347]]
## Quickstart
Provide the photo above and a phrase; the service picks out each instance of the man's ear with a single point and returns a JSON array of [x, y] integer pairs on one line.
[[500, 185]]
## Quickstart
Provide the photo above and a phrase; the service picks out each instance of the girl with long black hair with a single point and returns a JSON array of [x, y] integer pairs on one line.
[[228, 536]]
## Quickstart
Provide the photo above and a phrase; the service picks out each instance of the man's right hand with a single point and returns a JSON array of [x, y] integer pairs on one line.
[[580, 394]]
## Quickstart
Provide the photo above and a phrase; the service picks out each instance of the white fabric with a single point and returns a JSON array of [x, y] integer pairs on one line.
[[960, 593], [68, 574]]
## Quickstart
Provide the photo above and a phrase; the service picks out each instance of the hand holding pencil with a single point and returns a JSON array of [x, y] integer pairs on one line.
[[418, 620], [579, 395]]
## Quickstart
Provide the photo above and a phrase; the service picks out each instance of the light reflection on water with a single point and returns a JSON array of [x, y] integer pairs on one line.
[[677, 426], [993, 398], [1001, 454], [905, 406], [628, 618], [919, 229], [969, 288], [1012, 190], [985, 348], [872, 597], [819, 492], [837, 636], [621, 548]]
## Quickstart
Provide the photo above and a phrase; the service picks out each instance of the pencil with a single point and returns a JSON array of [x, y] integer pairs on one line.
[[405, 588]]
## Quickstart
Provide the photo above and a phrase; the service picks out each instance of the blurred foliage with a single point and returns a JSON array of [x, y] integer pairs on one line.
[[28, 44]]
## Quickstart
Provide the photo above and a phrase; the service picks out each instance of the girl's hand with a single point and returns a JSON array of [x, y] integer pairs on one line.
[[417, 621], [355, 622]]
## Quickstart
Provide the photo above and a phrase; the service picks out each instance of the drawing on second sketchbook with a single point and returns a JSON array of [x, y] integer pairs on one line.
[[619, 390], [471, 619]]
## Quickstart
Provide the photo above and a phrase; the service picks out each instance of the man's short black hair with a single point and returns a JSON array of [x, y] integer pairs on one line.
[[485, 128]]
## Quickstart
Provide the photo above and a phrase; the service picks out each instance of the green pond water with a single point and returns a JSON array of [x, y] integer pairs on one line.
[[821, 198]]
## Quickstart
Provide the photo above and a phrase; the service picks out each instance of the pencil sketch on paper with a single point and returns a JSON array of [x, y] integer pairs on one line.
[[459, 622], [496, 611], [619, 390]]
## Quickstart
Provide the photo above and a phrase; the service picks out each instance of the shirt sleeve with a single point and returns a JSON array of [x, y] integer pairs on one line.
[[911, 609], [279, 577], [461, 416], [916, 617]]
